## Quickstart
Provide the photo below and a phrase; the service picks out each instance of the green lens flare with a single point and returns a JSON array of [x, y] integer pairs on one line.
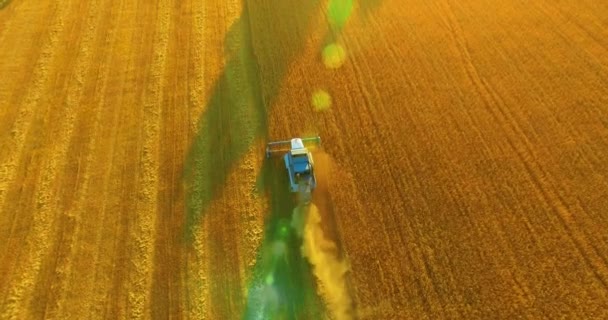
[[338, 12], [321, 100], [333, 56], [269, 279]]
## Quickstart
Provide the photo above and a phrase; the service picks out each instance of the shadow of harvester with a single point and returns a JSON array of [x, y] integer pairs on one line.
[[260, 45], [4, 3]]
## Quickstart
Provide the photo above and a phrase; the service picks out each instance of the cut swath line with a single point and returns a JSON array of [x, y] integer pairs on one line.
[[148, 184], [29, 267]]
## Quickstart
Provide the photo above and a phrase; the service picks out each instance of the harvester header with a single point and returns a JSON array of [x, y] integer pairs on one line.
[[299, 164]]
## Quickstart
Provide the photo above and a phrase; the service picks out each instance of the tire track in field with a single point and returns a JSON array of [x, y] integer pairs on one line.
[[547, 193], [5, 25], [169, 249], [142, 254], [421, 258], [457, 35], [20, 292], [427, 260], [532, 159], [598, 43]]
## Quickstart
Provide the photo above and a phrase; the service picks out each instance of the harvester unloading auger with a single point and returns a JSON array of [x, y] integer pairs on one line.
[[299, 164]]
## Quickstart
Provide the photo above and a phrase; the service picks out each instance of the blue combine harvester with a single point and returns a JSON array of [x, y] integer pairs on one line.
[[299, 164]]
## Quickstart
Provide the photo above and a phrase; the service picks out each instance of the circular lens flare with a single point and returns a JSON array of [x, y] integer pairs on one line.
[[334, 56], [321, 100]]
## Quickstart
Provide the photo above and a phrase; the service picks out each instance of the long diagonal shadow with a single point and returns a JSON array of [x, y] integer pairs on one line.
[[260, 45], [259, 53], [4, 3]]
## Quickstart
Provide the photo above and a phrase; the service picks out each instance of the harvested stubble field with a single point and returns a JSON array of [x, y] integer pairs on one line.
[[464, 171]]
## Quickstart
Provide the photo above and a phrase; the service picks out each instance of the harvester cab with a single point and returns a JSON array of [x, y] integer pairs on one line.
[[299, 164]]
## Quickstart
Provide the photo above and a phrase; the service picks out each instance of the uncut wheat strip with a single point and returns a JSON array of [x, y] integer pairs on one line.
[[537, 174], [588, 35], [547, 102], [348, 102], [385, 109], [457, 37], [361, 192], [420, 253], [473, 73]]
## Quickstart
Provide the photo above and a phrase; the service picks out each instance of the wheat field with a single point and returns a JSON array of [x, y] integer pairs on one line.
[[463, 171]]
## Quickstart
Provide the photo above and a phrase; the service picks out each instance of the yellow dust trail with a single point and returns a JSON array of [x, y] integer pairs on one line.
[[329, 269]]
